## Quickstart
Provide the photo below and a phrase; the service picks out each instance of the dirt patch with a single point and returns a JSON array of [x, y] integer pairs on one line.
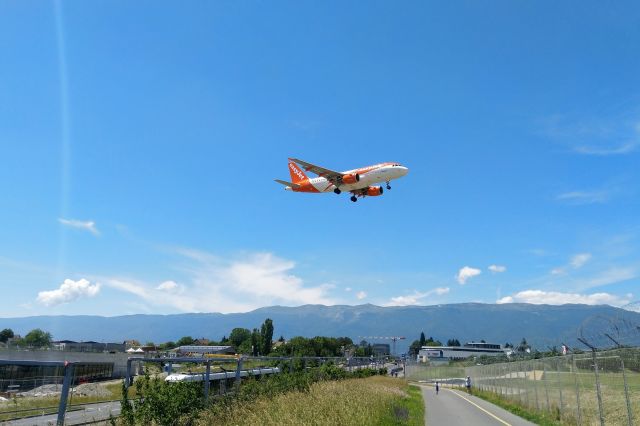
[[85, 389], [92, 389]]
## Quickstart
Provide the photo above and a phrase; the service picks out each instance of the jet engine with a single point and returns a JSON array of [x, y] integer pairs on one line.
[[349, 179], [374, 191]]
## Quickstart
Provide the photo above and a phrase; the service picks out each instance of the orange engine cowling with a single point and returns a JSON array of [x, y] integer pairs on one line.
[[374, 191], [349, 179]]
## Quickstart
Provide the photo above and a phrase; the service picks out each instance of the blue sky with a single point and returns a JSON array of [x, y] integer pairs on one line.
[[140, 142]]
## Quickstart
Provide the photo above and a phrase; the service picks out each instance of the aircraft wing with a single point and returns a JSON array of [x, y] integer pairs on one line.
[[285, 183], [330, 175]]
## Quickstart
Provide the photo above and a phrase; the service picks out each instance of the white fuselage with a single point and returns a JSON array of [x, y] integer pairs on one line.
[[368, 176]]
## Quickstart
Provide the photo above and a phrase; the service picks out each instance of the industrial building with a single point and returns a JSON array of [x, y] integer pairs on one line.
[[470, 349], [200, 350], [90, 346], [381, 349]]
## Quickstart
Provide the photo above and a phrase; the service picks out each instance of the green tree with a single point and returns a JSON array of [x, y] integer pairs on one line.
[[266, 334], [453, 342], [185, 341], [6, 334], [37, 338], [414, 348], [167, 345], [422, 339], [239, 335], [256, 347], [432, 342]]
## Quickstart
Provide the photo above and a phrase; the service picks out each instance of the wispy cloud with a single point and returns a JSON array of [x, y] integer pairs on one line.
[[466, 273], [577, 261], [497, 268], [88, 225], [216, 284], [361, 295], [585, 197], [68, 291], [596, 136], [416, 297], [558, 298], [170, 287], [623, 148], [611, 275]]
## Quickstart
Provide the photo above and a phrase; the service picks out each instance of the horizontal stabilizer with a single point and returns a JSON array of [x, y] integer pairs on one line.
[[285, 183]]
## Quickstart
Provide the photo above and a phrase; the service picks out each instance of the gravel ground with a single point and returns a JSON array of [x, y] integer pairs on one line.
[[85, 389]]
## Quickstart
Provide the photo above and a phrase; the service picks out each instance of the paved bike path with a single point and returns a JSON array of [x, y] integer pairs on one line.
[[453, 408]]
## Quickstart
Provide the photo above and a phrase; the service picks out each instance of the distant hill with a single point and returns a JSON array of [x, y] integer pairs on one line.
[[541, 325]]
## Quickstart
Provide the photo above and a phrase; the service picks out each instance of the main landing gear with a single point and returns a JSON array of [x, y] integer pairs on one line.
[[337, 191], [388, 186], [353, 198]]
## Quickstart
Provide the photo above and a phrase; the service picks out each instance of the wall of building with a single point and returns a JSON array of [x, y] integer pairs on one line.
[[119, 360]]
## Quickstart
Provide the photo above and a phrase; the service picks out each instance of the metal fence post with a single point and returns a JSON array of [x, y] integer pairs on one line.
[[575, 378], [238, 369], [127, 380], [66, 384], [206, 381], [598, 393], [626, 393], [546, 386], [535, 386], [559, 384]]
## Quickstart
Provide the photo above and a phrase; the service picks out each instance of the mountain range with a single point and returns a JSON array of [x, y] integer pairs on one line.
[[540, 325]]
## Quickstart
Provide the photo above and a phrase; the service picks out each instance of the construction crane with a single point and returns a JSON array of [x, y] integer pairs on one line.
[[394, 339]]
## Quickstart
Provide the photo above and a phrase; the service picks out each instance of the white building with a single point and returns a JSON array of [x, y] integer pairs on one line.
[[448, 353]]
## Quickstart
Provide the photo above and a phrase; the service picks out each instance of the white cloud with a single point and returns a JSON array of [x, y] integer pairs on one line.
[[414, 299], [585, 197], [596, 136], [347, 289], [69, 291], [558, 298], [215, 284], [579, 260], [361, 295], [88, 225], [611, 276], [170, 287], [467, 273], [608, 149], [497, 268]]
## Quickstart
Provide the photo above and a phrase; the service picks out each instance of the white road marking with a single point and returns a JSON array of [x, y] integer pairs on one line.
[[479, 407]]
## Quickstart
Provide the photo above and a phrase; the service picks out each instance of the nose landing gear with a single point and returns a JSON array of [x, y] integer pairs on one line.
[[388, 186], [353, 198], [337, 191]]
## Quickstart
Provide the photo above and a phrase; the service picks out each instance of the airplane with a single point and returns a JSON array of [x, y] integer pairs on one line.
[[356, 181]]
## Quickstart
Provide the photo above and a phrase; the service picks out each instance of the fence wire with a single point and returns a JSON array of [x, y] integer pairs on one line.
[[592, 388]]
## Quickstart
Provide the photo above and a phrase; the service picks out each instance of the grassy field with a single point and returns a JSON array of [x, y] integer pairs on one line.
[[371, 401]]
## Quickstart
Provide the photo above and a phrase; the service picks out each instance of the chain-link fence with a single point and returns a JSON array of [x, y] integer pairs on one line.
[[585, 389], [50, 392]]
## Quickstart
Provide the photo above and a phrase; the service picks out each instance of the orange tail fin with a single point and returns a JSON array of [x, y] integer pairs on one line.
[[297, 175]]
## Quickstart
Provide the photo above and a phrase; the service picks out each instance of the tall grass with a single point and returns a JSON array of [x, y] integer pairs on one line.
[[371, 401]]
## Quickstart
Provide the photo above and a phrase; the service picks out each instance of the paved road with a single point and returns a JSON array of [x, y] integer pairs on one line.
[[453, 408], [91, 412]]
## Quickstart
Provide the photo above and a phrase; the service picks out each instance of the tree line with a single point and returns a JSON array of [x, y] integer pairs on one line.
[[257, 342]]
